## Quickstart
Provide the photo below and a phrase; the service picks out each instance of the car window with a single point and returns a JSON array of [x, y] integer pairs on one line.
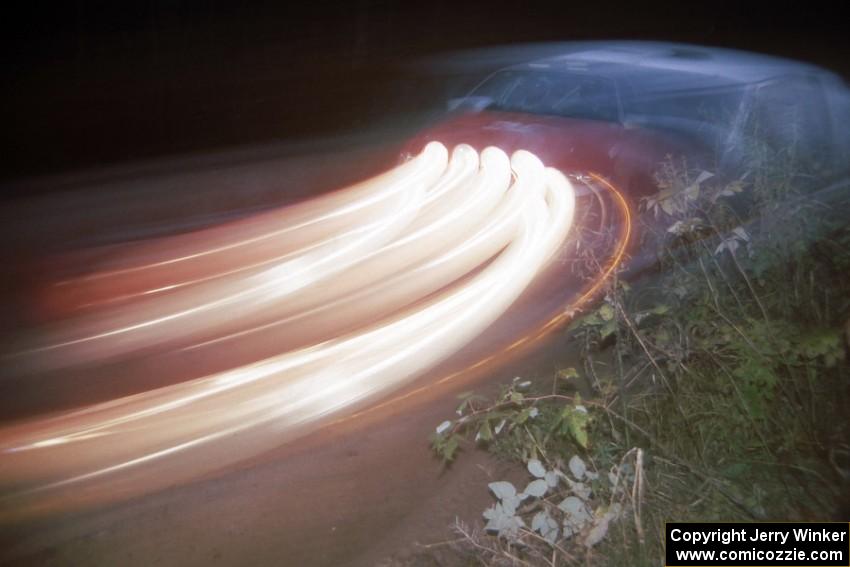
[[789, 114], [706, 114], [553, 93]]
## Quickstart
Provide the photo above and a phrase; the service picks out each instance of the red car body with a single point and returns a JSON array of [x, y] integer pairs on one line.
[[626, 156]]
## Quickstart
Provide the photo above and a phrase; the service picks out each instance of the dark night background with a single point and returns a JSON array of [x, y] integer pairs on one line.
[[94, 83]]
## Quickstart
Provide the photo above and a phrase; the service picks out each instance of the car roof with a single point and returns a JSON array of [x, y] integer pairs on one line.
[[669, 67]]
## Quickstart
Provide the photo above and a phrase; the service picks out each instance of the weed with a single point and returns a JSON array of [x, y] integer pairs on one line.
[[727, 399]]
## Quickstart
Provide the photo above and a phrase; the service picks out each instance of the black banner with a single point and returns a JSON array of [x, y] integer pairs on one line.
[[758, 544]]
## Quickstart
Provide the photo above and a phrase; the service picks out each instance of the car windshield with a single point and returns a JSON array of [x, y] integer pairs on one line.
[[554, 93], [707, 115], [717, 106]]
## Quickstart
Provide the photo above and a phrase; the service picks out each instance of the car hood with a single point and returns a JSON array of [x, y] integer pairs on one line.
[[626, 155]]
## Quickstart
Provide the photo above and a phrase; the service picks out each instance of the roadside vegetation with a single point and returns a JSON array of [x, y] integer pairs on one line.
[[716, 387]]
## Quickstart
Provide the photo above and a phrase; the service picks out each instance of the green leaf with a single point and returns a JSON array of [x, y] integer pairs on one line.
[[660, 309], [450, 448], [462, 407], [522, 416], [824, 343], [567, 373], [758, 383], [589, 320], [609, 328], [736, 470], [485, 432], [575, 324], [574, 421]]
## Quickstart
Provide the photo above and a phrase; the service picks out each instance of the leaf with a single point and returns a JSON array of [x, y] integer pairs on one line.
[[443, 427], [505, 525], [691, 193], [450, 448], [499, 427], [703, 176], [567, 373], [536, 468], [606, 312], [597, 533], [510, 504], [536, 488], [462, 407], [498, 520], [600, 526], [581, 490], [522, 416], [538, 522], [511, 530], [730, 244], [546, 526], [576, 323], [484, 432], [741, 234], [677, 227], [575, 512], [571, 505], [657, 310], [822, 343], [608, 329], [757, 385], [551, 478], [576, 420], [502, 489], [731, 189], [660, 309], [736, 470], [577, 467]]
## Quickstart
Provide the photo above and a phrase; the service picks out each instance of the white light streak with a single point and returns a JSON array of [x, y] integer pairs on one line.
[[380, 282]]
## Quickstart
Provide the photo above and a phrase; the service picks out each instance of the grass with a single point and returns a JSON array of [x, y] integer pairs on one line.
[[725, 373]]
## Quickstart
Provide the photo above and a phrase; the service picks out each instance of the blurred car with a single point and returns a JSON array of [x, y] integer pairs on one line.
[[621, 108]]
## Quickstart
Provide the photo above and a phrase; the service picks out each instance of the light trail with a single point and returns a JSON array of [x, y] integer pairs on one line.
[[356, 294], [563, 315]]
